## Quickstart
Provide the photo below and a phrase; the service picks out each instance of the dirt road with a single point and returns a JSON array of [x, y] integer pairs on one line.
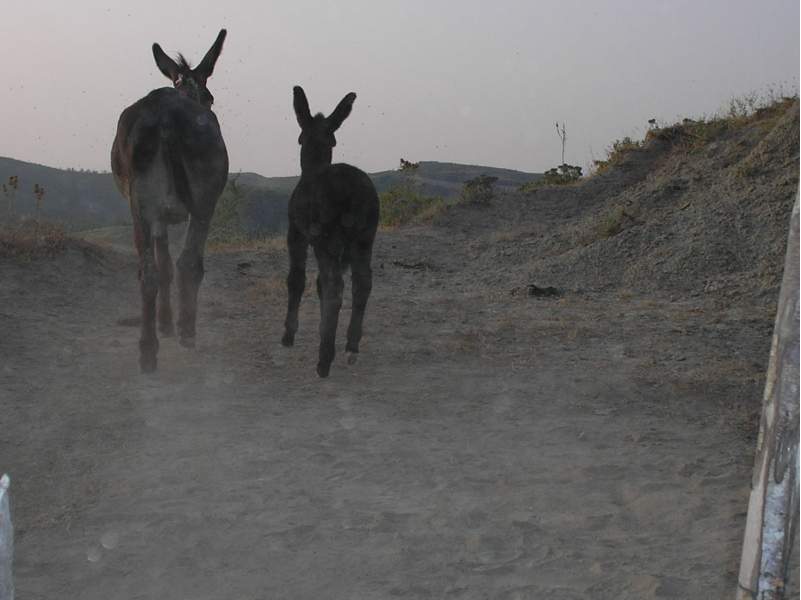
[[486, 445]]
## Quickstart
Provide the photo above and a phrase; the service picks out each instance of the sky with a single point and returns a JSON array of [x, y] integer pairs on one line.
[[471, 81]]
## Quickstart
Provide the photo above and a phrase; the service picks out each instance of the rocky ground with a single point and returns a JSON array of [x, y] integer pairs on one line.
[[594, 443]]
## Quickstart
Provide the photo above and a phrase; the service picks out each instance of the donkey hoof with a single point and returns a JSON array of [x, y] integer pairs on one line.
[[288, 340], [167, 329], [147, 364], [187, 342], [352, 357], [323, 370]]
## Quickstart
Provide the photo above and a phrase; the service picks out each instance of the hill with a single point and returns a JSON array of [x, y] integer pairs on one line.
[[84, 199], [434, 178], [700, 209], [261, 202], [446, 179], [80, 198]]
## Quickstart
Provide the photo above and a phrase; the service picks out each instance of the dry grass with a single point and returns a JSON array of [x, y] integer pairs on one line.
[[271, 289], [431, 212], [694, 134], [691, 135], [406, 205], [271, 245], [616, 153], [746, 169], [739, 370], [505, 235], [611, 223], [30, 240], [465, 342]]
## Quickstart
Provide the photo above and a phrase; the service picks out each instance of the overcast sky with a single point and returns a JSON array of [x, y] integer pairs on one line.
[[469, 81]]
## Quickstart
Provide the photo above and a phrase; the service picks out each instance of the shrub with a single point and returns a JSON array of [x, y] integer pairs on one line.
[[479, 189], [611, 223], [617, 152], [244, 215], [564, 174], [400, 206], [226, 225], [9, 193], [404, 203], [561, 175]]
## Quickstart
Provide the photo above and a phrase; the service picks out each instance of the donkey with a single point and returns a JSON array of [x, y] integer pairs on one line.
[[169, 160], [334, 208]]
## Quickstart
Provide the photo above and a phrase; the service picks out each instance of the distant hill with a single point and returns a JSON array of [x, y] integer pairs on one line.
[[436, 178], [446, 179], [256, 181], [263, 209], [76, 197], [83, 199]]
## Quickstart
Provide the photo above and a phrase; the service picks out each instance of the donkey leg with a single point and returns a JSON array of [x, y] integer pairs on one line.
[[149, 287], [319, 286], [331, 291], [165, 269], [190, 274], [362, 284], [295, 283]]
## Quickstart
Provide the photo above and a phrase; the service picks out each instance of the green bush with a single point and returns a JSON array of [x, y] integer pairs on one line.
[[479, 189], [404, 203], [615, 154], [400, 206], [561, 175], [226, 225], [564, 174]]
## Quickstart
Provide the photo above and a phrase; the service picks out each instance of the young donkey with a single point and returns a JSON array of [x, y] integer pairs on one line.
[[334, 208], [169, 160]]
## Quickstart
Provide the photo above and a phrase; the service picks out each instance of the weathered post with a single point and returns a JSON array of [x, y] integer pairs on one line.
[[6, 543], [773, 506]]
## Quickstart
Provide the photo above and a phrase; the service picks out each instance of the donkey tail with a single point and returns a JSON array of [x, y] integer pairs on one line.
[[179, 193]]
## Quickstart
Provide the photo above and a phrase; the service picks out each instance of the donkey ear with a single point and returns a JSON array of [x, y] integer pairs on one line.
[[301, 105], [165, 64], [341, 112], [206, 66]]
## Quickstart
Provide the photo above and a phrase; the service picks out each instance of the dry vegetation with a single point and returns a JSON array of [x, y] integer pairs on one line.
[[691, 135], [405, 204], [751, 117], [30, 240], [269, 245]]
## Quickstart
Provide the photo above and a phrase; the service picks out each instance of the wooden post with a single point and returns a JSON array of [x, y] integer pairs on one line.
[[773, 506], [6, 543]]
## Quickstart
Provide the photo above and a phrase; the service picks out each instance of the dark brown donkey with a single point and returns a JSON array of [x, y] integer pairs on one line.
[[169, 161], [334, 208]]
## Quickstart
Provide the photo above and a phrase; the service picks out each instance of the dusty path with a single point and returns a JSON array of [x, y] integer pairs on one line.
[[486, 445]]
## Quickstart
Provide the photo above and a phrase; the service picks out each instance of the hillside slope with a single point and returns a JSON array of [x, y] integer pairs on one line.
[[704, 219]]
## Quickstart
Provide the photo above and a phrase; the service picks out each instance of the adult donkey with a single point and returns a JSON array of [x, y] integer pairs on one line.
[[169, 160], [334, 208]]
